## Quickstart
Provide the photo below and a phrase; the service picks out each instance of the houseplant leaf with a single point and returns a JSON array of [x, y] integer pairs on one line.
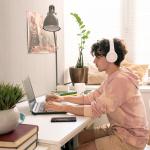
[[83, 35]]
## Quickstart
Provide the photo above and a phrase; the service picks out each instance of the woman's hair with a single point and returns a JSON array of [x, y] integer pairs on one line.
[[101, 48]]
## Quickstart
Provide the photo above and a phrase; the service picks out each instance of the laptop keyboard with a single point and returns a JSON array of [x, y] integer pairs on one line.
[[38, 107], [41, 107]]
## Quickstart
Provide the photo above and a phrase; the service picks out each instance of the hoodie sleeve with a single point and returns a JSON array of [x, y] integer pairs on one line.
[[114, 94], [92, 96]]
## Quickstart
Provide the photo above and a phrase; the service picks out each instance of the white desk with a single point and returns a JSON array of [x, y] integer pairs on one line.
[[143, 88], [54, 135]]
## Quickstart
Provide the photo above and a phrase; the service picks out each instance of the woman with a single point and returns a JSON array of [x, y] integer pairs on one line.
[[118, 97]]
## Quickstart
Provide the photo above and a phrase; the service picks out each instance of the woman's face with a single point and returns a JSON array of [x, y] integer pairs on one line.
[[101, 63]]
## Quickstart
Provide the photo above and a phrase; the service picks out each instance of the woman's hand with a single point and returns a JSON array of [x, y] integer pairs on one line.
[[54, 97], [55, 106]]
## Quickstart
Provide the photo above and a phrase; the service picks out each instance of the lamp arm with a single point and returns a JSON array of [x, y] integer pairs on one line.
[[56, 60]]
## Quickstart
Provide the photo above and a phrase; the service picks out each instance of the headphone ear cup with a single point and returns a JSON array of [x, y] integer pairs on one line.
[[111, 55]]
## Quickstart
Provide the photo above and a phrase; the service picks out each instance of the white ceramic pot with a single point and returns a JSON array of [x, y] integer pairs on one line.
[[9, 120]]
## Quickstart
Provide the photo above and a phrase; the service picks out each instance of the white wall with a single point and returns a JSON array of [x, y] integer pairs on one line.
[[15, 62], [128, 27], [142, 24]]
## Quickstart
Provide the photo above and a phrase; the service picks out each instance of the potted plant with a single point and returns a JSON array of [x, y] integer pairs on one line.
[[9, 96], [79, 73]]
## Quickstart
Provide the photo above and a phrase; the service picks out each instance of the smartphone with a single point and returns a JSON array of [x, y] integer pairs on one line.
[[63, 119]]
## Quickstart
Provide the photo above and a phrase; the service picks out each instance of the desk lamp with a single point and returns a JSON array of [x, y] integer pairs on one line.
[[51, 24]]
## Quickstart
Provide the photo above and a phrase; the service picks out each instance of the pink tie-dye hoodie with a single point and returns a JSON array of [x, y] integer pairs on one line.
[[120, 98]]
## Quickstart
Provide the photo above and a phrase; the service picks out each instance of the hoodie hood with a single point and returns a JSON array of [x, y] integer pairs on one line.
[[131, 76], [128, 74]]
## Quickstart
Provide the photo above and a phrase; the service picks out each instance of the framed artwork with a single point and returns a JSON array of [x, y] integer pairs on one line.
[[39, 40]]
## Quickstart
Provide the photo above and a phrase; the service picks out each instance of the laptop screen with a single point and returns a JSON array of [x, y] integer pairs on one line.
[[29, 92]]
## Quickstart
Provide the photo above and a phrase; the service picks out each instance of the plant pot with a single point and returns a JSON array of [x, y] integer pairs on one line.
[[9, 120], [78, 75]]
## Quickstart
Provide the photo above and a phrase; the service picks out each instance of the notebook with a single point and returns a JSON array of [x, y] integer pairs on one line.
[[35, 107]]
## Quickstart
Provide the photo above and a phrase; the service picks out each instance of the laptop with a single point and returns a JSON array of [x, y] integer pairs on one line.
[[36, 108]]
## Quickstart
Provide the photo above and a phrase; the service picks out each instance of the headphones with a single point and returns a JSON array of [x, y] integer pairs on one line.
[[111, 55]]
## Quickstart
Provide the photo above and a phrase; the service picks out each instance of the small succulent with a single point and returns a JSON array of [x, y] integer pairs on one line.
[[9, 95]]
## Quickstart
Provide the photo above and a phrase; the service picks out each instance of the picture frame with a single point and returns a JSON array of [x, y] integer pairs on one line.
[[39, 40]]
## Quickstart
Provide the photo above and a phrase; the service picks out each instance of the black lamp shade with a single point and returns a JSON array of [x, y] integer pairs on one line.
[[51, 22]]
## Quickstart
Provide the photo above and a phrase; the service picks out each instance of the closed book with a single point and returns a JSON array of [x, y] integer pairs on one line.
[[18, 136], [28, 144], [32, 146]]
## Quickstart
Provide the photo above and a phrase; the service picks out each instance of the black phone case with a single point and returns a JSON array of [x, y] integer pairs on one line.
[[63, 119]]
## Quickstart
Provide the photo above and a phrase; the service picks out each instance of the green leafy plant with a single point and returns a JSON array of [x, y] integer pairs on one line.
[[9, 95], [83, 35]]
